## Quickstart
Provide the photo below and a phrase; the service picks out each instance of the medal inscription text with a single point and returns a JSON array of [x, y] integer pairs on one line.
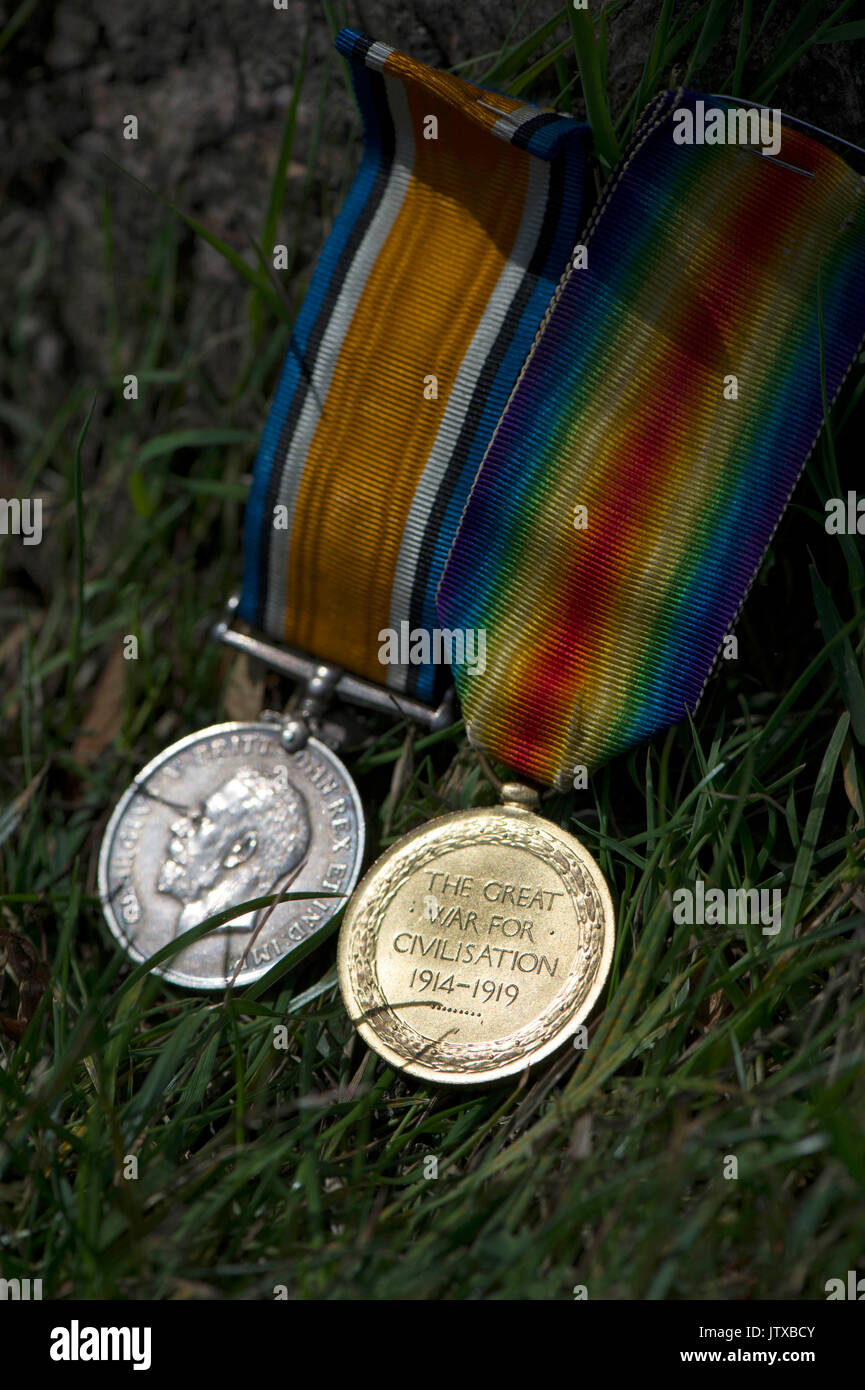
[[473, 949]]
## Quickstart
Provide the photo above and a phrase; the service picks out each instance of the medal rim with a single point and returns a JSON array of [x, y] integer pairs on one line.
[[441, 1075], [250, 974]]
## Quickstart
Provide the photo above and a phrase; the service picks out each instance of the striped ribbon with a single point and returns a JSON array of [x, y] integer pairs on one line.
[[705, 262], [441, 263]]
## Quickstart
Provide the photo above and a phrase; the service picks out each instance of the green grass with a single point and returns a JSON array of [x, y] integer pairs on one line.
[[305, 1167]]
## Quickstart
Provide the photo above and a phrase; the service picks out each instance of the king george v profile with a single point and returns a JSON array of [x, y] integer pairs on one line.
[[244, 838]]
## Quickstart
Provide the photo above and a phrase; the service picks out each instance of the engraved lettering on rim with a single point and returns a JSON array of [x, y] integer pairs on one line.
[[223, 816]]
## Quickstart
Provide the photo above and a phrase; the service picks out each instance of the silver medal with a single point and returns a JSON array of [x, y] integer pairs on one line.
[[226, 815]]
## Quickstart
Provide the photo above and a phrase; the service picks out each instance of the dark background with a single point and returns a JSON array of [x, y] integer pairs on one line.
[[210, 84]]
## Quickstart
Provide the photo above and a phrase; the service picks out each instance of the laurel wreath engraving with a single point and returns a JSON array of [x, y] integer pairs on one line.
[[509, 832]]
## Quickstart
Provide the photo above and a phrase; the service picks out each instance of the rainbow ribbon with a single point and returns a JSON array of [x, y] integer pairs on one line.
[[456, 231], [674, 390]]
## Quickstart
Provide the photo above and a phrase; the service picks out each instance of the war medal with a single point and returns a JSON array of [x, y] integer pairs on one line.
[[224, 816], [386, 403], [477, 944], [615, 525]]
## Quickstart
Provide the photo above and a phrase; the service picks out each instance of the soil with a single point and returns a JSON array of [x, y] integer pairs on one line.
[[210, 84]]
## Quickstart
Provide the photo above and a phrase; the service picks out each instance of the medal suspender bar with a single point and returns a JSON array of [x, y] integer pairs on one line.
[[419, 314], [580, 452]]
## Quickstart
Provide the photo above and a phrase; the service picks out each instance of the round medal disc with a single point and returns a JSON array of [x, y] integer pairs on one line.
[[222, 817], [476, 945]]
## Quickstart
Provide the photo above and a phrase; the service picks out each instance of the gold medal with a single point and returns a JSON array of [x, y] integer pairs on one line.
[[477, 944]]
